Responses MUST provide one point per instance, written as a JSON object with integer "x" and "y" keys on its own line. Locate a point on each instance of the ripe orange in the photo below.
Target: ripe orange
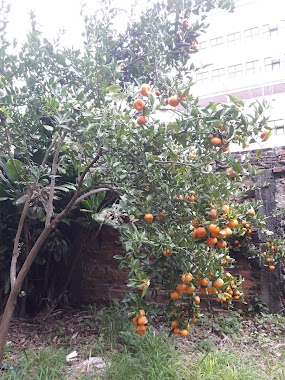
{"x": 167, "y": 252}
{"x": 145, "y": 90}
{"x": 139, "y": 104}
{"x": 229, "y": 232}
{"x": 203, "y": 281}
{"x": 213, "y": 214}
{"x": 135, "y": 321}
{"x": 146, "y": 284}
{"x": 203, "y": 290}
{"x": 222, "y": 233}
{"x": 251, "y": 212}
{"x": 221, "y": 244}
{"x": 197, "y": 300}
{"x": 142, "y": 120}
{"x": 190, "y": 289}
{"x": 271, "y": 267}
{"x": 225, "y": 209}
{"x": 214, "y": 229}
{"x": 142, "y": 320}
{"x": 173, "y": 101}
{"x": 157, "y": 93}
{"x": 141, "y": 329}
{"x": 232, "y": 223}
{"x": 231, "y": 172}
{"x": 187, "y": 277}
{"x": 216, "y": 141}
{"x": 263, "y": 134}
{"x": 142, "y": 312}
{"x": 181, "y": 288}
{"x": 174, "y": 324}
{"x": 211, "y": 241}
{"x": 174, "y": 295}
{"x": 148, "y": 218}
{"x": 212, "y": 290}
{"x": 218, "y": 283}
{"x": 184, "y": 333}
{"x": 176, "y": 331}
{"x": 201, "y": 232}
{"x": 224, "y": 149}
{"x": 195, "y": 223}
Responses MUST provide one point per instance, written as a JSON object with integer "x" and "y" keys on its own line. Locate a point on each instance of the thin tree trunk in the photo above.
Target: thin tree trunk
{"x": 16, "y": 287}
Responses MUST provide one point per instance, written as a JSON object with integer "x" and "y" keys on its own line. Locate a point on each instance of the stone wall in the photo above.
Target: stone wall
{"x": 102, "y": 281}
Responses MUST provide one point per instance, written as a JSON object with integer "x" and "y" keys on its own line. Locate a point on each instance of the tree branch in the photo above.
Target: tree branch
{"x": 15, "y": 255}
{"x": 92, "y": 192}
{"x": 49, "y": 150}
{"x": 52, "y": 180}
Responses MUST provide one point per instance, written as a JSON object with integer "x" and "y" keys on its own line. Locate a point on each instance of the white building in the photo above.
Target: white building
{"x": 246, "y": 50}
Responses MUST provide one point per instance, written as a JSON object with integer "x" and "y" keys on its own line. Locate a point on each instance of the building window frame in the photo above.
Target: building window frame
{"x": 218, "y": 74}
{"x": 202, "y": 78}
{"x": 252, "y": 67}
{"x": 271, "y": 64}
{"x": 235, "y": 71}
{"x": 234, "y": 39}
{"x": 270, "y": 30}
{"x": 252, "y": 33}
{"x": 278, "y": 126}
{"x": 216, "y": 41}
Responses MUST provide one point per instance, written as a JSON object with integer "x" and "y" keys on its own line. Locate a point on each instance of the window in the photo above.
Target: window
{"x": 234, "y": 39}
{"x": 235, "y": 71}
{"x": 277, "y": 126}
{"x": 252, "y": 67}
{"x": 216, "y": 41}
{"x": 270, "y": 30}
{"x": 218, "y": 74}
{"x": 271, "y": 64}
{"x": 202, "y": 45}
{"x": 202, "y": 78}
{"x": 250, "y": 34}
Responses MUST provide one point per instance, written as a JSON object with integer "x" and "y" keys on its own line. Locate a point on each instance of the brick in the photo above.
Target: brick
{"x": 278, "y": 169}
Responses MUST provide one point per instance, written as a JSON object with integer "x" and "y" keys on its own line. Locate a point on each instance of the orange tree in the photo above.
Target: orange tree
{"x": 119, "y": 116}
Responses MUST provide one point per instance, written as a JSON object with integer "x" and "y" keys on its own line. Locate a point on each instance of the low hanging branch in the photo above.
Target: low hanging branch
{"x": 15, "y": 255}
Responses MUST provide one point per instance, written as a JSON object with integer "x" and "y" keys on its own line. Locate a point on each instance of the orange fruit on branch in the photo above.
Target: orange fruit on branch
{"x": 216, "y": 141}
{"x": 142, "y": 120}
{"x": 139, "y": 104}
{"x": 141, "y": 329}
{"x": 218, "y": 283}
{"x": 173, "y": 101}
{"x": 145, "y": 90}
{"x": 148, "y": 218}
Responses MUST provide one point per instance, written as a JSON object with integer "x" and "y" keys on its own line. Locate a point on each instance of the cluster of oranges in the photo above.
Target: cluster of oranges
{"x": 139, "y": 104}
{"x": 270, "y": 257}
{"x": 189, "y": 198}
{"x": 140, "y": 322}
{"x": 219, "y": 141}
{"x": 215, "y": 234}
{"x": 181, "y": 328}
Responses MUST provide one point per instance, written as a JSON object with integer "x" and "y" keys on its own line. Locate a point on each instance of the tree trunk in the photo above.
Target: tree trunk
{"x": 16, "y": 288}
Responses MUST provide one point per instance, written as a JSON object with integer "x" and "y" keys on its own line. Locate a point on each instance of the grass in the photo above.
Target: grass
{"x": 223, "y": 353}
{"x": 45, "y": 364}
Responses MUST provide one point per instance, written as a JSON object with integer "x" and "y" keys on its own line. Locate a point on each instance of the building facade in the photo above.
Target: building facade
{"x": 245, "y": 51}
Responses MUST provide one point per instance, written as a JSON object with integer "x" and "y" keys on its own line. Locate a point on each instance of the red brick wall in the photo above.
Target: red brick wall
{"x": 102, "y": 280}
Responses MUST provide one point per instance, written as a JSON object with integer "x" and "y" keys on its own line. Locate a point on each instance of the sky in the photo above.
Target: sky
{"x": 53, "y": 15}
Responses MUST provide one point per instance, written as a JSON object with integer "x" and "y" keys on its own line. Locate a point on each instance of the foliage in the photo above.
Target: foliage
{"x": 119, "y": 117}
